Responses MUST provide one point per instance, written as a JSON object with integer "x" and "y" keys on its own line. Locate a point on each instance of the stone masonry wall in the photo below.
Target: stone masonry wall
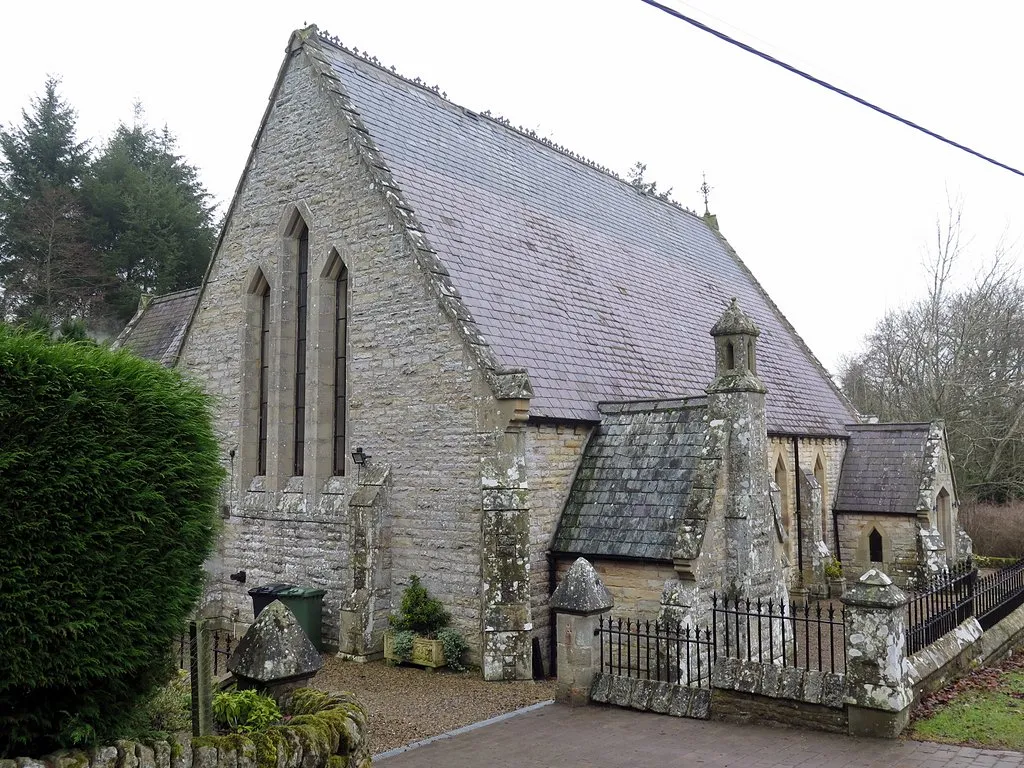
{"x": 636, "y": 587}
{"x": 831, "y": 451}
{"x": 899, "y": 544}
{"x": 414, "y": 392}
{"x": 553, "y": 453}
{"x": 326, "y": 730}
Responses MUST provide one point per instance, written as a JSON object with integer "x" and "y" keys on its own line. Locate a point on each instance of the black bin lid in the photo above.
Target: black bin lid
{"x": 271, "y": 589}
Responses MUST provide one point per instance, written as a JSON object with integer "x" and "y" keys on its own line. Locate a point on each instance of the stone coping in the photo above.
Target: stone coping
{"x": 963, "y": 647}
{"x": 809, "y": 686}
{"x": 651, "y": 696}
{"x": 322, "y": 730}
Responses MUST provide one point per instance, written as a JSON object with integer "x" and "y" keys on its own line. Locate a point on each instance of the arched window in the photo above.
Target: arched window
{"x": 263, "y": 291}
{"x": 301, "y": 311}
{"x": 819, "y": 476}
{"x": 875, "y": 546}
{"x": 944, "y": 513}
{"x": 340, "y": 274}
{"x": 782, "y": 481}
{"x": 730, "y": 356}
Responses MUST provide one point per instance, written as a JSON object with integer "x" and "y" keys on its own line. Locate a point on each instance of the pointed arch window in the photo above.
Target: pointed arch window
{"x": 263, "y": 291}
{"x": 781, "y": 481}
{"x": 339, "y": 273}
{"x": 301, "y": 312}
{"x": 875, "y": 546}
{"x": 820, "y": 477}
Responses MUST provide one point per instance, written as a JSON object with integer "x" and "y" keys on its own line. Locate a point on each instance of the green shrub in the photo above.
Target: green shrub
{"x": 169, "y": 710}
{"x": 420, "y": 613}
{"x": 109, "y": 480}
{"x": 244, "y": 711}
{"x": 454, "y": 645}
{"x": 833, "y": 569}
{"x": 401, "y": 643}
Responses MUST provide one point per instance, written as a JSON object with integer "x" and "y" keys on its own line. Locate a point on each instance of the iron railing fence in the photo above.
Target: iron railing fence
{"x": 222, "y": 641}
{"x": 789, "y": 635}
{"x": 663, "y": 651}
{"x": 941, "y": 603}
{"x": 999, "y": 594}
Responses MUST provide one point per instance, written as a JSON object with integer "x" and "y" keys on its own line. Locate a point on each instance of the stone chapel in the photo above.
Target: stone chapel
{"x": 440, "y": 346}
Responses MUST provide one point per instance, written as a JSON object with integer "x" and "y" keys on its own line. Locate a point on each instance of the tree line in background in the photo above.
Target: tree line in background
{"x": 84, "y": 232}
{"x": 957, "y": 354}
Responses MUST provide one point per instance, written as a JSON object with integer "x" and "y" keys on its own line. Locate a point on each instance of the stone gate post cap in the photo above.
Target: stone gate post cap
{"x": 874, "y": 590}
{"x": 876, "y": 577}
{"x": 275, "y": 648}
{"x": 581, "y": 592}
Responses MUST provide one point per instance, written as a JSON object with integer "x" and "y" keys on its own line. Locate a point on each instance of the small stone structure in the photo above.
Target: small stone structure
{"x": 274, "y": 655}
{"x": 878, "y": 693}
{"x": 578, "y": 602}
{"x": 728, "y": 541}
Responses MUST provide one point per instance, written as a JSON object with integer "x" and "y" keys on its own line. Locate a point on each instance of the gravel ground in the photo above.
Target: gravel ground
{"x": 406, "y": 704}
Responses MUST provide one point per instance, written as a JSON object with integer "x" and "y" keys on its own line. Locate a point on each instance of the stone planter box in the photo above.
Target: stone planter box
{"x": 836, "y": 587}
{"x": 425, "y": 652}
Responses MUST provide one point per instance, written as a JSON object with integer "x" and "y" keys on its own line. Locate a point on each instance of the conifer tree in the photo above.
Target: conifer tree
{"x": 46, "y": 265}
{"x": 149, "y": 216}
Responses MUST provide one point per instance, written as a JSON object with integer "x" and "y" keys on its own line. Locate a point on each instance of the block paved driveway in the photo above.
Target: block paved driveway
{"x": 597, "y": 737}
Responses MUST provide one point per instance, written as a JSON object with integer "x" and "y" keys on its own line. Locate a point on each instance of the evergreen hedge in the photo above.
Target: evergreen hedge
{"x": 109, "y": 482}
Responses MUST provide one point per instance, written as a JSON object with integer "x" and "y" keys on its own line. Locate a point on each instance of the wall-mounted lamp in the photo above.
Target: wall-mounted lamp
{"x": 360, "y": 459}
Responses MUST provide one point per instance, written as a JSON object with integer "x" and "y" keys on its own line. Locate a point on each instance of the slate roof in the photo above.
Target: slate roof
{"x": 634, "y": 479}
{"x": 601, "y": 292}
{"x": 882, "y": 469}
{"x": 158, "y": 328}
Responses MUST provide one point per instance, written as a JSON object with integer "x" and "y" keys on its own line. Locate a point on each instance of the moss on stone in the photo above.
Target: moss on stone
{"x": 267, "y": 745}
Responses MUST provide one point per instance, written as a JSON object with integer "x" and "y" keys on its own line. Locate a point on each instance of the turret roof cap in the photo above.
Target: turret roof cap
{"x": 734, "y": 321}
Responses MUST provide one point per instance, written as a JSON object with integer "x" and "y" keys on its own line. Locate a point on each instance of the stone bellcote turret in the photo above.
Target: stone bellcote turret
{"x": 735, "y": 353}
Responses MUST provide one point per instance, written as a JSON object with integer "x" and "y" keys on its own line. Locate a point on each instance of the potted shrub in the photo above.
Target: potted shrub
{"x": 420, "y": 633}
{"x": 834, "y": 574}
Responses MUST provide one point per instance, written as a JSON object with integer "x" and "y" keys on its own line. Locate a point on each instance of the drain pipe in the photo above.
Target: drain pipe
{"x": 552, "y": 617}
{"x": 799, "y": 510}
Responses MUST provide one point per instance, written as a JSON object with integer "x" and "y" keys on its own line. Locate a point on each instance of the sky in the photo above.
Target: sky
{"x": 833, "y": 207}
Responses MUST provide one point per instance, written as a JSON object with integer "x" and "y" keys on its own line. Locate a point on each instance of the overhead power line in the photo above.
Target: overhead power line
{"x": 835, "y": 89}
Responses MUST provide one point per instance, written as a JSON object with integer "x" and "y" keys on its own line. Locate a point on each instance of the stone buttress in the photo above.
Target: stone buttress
{"x": 728, "y": 543}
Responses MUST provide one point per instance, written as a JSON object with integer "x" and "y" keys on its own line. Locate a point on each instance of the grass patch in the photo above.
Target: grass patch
{"x": 984, "y": 709}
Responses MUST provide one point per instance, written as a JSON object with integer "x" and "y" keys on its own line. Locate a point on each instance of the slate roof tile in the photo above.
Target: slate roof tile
{"x": 601, "y": 292}
{"x": 157, "y": 330}
{"x": 882, "y": 468}
{"x": 631, "y": 488}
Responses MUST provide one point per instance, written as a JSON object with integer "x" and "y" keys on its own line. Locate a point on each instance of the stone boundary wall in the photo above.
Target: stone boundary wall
{"x": 325, "y": 730}
{"x": 956, "y": 652}
{"x": 651, "y": 696}
{"x": 750, "y": 691}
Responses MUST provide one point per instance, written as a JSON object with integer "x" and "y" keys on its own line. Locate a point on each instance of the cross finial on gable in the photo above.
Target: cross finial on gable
{"x": 705, "y": 189}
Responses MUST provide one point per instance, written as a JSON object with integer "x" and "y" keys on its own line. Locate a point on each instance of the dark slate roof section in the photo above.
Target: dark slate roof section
{"x": 882, "y": 469}
{"x": 628, "y": 497}
{"x": 158, "y": 328}
{"x": 602, "y": 293}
